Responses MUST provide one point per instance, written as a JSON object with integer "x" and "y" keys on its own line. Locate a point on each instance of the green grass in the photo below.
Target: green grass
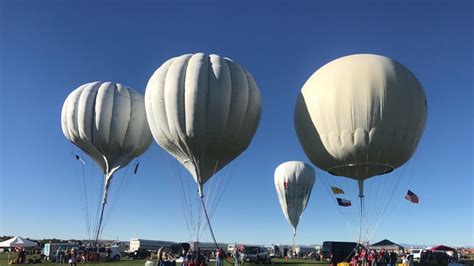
{"x": 124, "y": 262}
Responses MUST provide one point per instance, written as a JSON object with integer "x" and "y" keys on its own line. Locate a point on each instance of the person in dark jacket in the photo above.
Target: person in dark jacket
{"x": 393, "y": 258}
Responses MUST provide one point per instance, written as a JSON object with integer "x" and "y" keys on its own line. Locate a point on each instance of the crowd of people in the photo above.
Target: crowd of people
{"x": 20, "y": 256}
{"x": 72, "y": 256}
{"x": 198, "y": 258}
{"x": 66, "y": 255}
{"x": 365, "y": 257}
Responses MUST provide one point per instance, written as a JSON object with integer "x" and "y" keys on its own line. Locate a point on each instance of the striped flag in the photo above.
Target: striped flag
{"x": 343, "y": 202}
{"x": 337, "y": 190}
{"x": 412, "y": 197}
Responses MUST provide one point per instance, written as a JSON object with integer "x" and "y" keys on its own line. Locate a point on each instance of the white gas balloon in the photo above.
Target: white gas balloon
{"x": 360, "y": 116}
{"x": 203, "y": 110}
{"x": 107, "y": 121}
{"x": 294, "y": 182}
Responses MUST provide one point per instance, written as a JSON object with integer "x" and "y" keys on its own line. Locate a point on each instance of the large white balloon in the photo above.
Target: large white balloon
{"x": 107, "y": 121}
{"x": 294, "y": 182}
{"x": 203, "y": 110}
{"x": 360, "y": 116}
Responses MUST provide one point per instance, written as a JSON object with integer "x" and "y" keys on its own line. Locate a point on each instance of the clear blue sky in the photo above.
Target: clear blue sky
{"x": 48, "y": 48}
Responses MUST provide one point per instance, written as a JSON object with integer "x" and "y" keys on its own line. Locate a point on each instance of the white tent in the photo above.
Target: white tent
{"x": 17, "y": 241}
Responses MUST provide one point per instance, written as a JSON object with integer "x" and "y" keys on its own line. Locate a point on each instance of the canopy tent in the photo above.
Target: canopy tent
{"x": 18, "y": 241}
{"x": 442, "y": 248}
{"x": 387, "y": 245}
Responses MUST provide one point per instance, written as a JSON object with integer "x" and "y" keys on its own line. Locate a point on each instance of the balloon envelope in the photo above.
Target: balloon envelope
{"x": 360, "y": 116}
{"x": 294, "y": 182}
{"x": 107, "y": 121}
{"x": 203, "y": 110}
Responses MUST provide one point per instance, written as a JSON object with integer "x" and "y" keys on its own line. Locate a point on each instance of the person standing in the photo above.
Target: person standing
{"x": 386, "y": 258}
{"x": 355, "y": 259}
{"x": 58, "y": 255}
{"x": 72, "y": 257}
{"x": 393, "y": 258}
{"x": 237, "y": 257}
{"x": 363, "y": 257}
{"x": 219, "y": 257}
{"x": 375, "y": 257}
{"x": 108, "y": 250}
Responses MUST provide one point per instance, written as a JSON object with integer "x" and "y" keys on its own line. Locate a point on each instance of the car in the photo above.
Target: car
{"x": 115, "y": 252}
{"x": 256, "y": 254}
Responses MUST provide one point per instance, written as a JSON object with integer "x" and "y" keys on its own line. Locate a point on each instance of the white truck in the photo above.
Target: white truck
{"x": 416, "y": 253}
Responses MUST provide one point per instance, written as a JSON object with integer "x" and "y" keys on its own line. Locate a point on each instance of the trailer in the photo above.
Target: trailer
{"x": 149, "y": 245}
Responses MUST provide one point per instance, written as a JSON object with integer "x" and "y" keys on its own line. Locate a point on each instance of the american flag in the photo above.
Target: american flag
{"x": 343, "y": 202}
{"x": 412, "y": 197}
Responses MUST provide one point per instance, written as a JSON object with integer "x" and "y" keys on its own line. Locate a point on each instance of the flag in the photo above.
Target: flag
{"x": 80, "y": 159}
{"x": 136, "y": 168}
{"x": 343, "y": 202}
{"x": 412, "y": 197}
{"x": 337, "y": 190}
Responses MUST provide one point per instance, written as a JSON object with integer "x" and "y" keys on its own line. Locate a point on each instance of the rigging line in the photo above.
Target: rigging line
{"x": 227, "y": 179}
{"x": 85, "y": 199}
{"x": 118, "y": 191}
{"x": 84, "y": 208}
{"x": 325, "y": 178}
{"x": 395, "y": 179}
{"x": 96, "y": 219}
{"x": 205, "y": 209}
{"x": 221, "y": 187}
{"x": 185, "y": 198}
{"x": 107, "y": 178}
{"x": 354, "y": 216}
{"x": 208, "y": 223}
{"x": 212, "y": 184}
{"x": 181, "y": 193}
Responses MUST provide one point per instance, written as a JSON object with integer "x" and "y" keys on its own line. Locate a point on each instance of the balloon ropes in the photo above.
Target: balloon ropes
{"x": 294, "y": 182}
{"x": 358, "y": 118}
{"x": 204, "y": 111}
{"x": 107, "y": 122}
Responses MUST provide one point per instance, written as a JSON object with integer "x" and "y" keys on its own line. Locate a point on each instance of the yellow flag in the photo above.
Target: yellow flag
{"x": 337, "y": 190}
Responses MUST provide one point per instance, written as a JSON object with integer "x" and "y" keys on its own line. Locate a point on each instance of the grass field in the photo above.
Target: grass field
{"x": 124, "y": 262}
